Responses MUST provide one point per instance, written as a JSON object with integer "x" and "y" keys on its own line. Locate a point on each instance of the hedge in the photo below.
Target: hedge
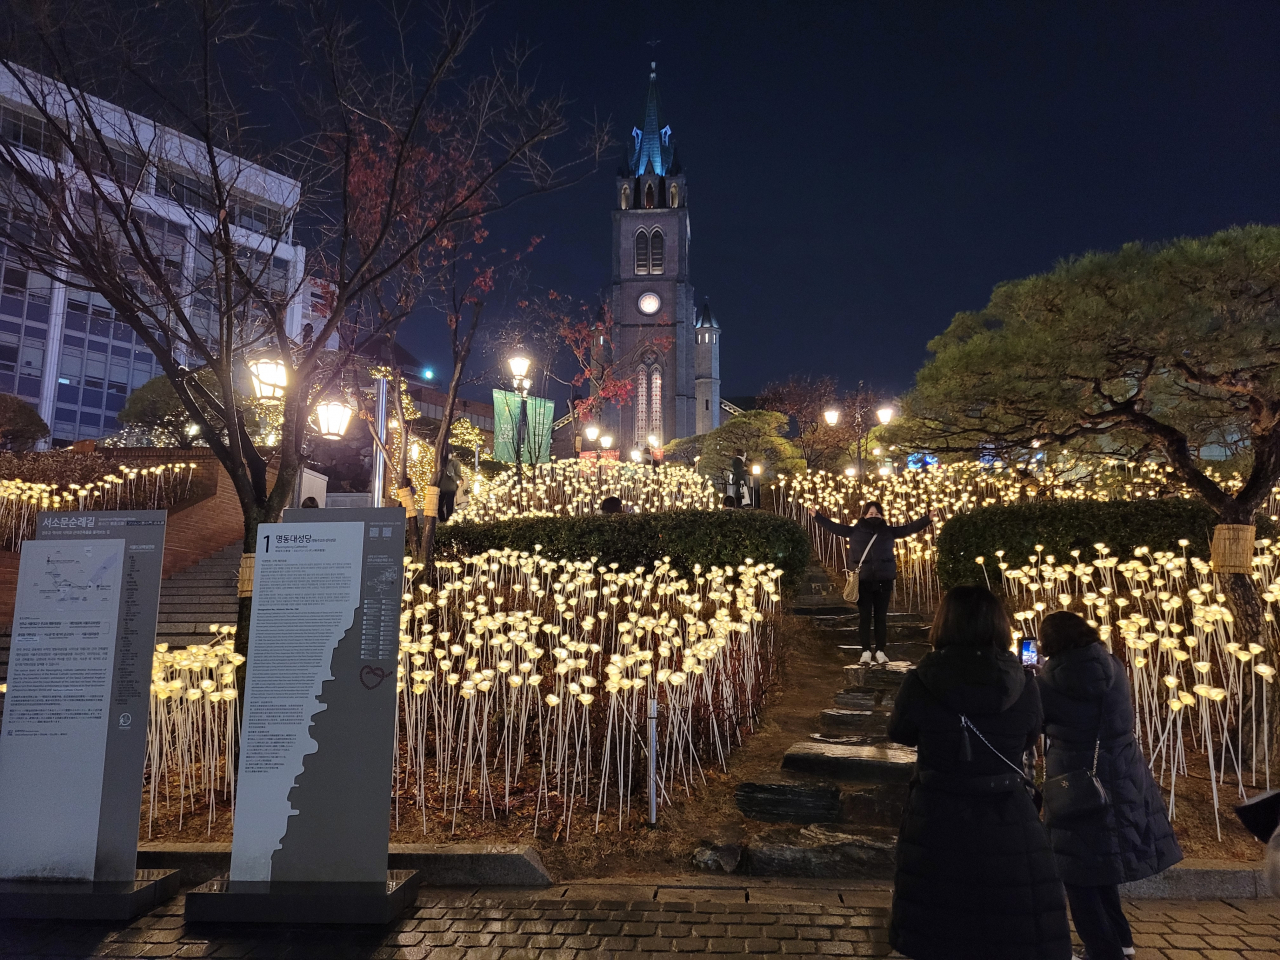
{"x": 712, "y": 538}
{"x": 1061, "y": 526}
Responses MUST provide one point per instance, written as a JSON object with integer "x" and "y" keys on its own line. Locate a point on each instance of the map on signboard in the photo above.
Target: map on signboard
{"x": 79, "y": 575}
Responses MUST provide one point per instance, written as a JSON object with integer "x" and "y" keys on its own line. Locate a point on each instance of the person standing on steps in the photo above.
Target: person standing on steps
{"x": 1088, "y": 718}
{"x": 450, "y": 478}
{"x": 869, "y": 552}
{"x": 974, "y": 877}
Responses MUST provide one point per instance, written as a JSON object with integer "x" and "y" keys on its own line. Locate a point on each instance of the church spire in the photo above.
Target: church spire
{"x": 653, "y": 149}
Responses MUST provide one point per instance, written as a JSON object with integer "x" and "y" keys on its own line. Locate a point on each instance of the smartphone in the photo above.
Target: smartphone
{"x": 1030, "y": 655}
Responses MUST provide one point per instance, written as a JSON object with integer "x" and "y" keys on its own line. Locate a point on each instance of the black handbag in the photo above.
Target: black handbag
{"x": 1076, "y": 793}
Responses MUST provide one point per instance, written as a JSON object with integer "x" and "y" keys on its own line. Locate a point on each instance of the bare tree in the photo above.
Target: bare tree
{"x": 171, "y": 211}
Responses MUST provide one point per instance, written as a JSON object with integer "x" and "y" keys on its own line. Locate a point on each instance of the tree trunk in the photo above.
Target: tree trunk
{"x": 1250, "y": 623}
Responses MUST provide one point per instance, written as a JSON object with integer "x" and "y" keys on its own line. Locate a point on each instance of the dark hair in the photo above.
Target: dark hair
{"x": 972, "y": 616}
{"x": 611, "y": 505}
{"x": 872, "y": 503}
{"x": 1063, "y": 631}
{"x": 310, "y": 502}
{"x": 729, "y": 502}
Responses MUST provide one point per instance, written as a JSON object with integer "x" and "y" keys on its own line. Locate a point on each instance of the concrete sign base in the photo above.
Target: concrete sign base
{"x": 299, "y": 901}
{"x": 87, "y": 899}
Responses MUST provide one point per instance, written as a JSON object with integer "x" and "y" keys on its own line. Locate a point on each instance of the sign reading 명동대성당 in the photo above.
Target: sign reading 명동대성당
{"x": 319, "y": 724}
{"x": 73, "y": 739}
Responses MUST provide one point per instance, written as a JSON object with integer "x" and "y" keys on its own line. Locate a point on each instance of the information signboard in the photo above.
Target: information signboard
{"x": 74, "y": 735}
{"x": 317, "y": 744}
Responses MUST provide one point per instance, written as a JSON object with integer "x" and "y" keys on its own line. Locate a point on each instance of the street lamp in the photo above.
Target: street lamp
{"x": 592, "y": 433}
{"x": 268, "y": 377}
{"x": 885, "y": 414}
{"x": 332, "y": 417}
{"x": 832, "y": 417}
{"x": 850, "y": 471}
{"x": 635, "y": 455}
{"x": 606, "y": 441}
{"x": 519, "y": 365}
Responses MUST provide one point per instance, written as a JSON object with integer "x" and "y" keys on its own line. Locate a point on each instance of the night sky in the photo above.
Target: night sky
{"x": 859, "y": 172}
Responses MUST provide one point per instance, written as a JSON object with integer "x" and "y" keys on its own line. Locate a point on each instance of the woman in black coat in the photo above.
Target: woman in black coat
{"x": 877, "y": 572}
{"x": 1085, "y": 691}
{"x": 975, "y": 877}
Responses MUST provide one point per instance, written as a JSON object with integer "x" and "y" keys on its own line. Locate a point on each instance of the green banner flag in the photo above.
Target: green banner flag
{"x": 535, "y": 444}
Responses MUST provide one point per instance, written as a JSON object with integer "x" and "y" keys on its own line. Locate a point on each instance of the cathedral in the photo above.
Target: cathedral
{"x": 662, "y": 340}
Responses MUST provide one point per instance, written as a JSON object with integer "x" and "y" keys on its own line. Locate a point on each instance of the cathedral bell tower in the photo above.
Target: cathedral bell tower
{"x": 651, "y": 297}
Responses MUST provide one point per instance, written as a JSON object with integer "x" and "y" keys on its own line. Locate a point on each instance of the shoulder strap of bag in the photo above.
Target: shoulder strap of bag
{"x": 966, "y": 722}
{"x": 1097, "y": 743}
{"x": 866, "y": 551}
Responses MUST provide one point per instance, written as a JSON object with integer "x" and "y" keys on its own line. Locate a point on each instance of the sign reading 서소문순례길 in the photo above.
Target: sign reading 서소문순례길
{"x": 73, "y": 739}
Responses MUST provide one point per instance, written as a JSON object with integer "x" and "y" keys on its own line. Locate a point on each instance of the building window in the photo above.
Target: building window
{"x": 31, "y": 133}
{"x": 675, "y": 195}
{"x": 656, "y": 252}
{"x": 708, "y": 403}
{"x": 648, "y": 196}
{"x": 655, "y": 404}
{"x": 626, "y": 196}
{"x": 642, "y": 253}
{"x": 642, "y": 403}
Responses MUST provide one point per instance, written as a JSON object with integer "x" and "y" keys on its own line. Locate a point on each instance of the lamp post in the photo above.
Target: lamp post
{"x": 519, "y": 365}
{"x": 269, "y": 378}
{"x": 832, "y": 417}
{"x": 885, "y": 414}
{"x": 332, "y": 417}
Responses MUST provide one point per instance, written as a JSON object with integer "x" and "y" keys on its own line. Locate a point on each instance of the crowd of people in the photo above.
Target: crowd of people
{"x": 979, "y": 874}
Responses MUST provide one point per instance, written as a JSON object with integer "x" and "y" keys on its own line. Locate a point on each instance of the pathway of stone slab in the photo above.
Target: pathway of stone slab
{"x": 611, "y": 919}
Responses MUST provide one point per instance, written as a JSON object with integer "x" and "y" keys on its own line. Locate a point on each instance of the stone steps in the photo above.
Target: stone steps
{"x": 821, "y": 850}
{"x": 871, "y": 721}
{"x": 851, "y": 763}
{"x": 199, "y": 596}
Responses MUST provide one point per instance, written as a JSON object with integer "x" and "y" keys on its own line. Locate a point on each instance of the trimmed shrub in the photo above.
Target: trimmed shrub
{"x": 1061, "y": 526}
{"x": 712, "y": 538}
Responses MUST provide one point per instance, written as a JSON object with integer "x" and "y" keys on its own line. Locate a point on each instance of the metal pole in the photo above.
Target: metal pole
{"x": 378, "y": 481}
{"x": 653, "y": 761}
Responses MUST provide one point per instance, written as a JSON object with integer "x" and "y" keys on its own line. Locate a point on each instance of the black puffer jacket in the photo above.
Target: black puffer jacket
{"x": 975, "y": 876}
{"x": 880, "y": 563}
{"x": 1132, "y": 838}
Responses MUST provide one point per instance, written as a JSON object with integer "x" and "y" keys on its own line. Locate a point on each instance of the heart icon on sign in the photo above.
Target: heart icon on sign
{"x": 371, "y": 677}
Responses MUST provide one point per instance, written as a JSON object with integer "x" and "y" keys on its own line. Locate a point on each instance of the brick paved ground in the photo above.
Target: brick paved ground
{"x": 612, "y": 920}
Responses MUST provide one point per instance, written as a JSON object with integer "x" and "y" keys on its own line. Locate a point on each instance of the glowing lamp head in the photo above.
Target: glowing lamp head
{"x": 885, "y": 471}
{"x": 635, "y": 455}
{"x": 850, "y": 471}
{"x": 519, "y": 365}
{"x": 653, "y": 440}
{"x": 606, "y": 441}
{"x": 332, "y": 417}
{"x": 755, "y": 469}
{"x": 268, "y": 377}
{"x": 592, "y": 432}
{"x": 832, "y": 417}
{"x": 885, "y": 414}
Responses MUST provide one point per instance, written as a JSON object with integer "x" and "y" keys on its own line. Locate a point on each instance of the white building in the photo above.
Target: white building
{"x": 62, "y": 349}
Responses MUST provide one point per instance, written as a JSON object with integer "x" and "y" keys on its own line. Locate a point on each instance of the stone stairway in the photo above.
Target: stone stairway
{"x": 839, "y": 795}
{"x": 197, "y": 597}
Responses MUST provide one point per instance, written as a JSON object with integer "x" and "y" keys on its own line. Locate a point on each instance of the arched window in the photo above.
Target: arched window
{"x": 642, "y": 253}
{"x": 656, "y": 246}
{"x": 655, "y": 403}
{"x": 642, "y": 403}
{"x": 648, "y": 196}
{"x": 675, "y": 195}
{"x": 626, "y": 196}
